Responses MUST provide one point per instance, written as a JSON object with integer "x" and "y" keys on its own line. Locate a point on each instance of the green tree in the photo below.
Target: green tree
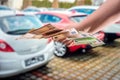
{"x": 44, "y": 3}
{"x": 47, "y": 3}
{"x": 88, "y": 2}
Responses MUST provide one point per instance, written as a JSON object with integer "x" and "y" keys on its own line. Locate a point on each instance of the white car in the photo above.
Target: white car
{"x": 21, "y": 55}
{"x": 84, "y": 9}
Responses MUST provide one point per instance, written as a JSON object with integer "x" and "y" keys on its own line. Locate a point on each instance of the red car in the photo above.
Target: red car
{"x": 78, "y": 44}
{"x": 60, "y": 19}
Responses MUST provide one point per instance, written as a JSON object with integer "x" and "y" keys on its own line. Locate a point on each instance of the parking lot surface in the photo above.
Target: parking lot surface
{"x": 101, "y": 63}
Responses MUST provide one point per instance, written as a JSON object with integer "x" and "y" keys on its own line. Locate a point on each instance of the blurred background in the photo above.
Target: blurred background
{"x": 21, "y": 4}
{"x": 100, "y": 63}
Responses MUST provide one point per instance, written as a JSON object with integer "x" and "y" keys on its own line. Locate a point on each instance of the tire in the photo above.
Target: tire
{"x": 109, "y": 38}
{"x": 60, "y": 49}
{"x": 83, "y": 51}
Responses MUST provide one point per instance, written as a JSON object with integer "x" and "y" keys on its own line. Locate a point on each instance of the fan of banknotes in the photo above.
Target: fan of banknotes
{"x": 78, "y": 37}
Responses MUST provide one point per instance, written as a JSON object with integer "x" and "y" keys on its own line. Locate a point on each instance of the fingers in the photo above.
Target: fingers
{"x": 67, "y": 41}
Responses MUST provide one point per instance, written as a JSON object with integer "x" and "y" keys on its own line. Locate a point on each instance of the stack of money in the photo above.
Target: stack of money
{"x": 50, "y": 31}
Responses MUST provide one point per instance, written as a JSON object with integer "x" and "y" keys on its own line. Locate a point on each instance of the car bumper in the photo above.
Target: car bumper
{"x": 12, "y": 66}
{"x": 76, "y": 47}
{"x": 112, "y": 35}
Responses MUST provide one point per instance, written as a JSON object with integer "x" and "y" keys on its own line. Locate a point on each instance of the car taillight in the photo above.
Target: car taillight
{"x": 5, "y": 47}
{"x": 118, "y": 34}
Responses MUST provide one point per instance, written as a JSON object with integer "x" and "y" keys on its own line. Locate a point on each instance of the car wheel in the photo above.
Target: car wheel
{"x": 105, "y": 39}
{"x": 83, "y": 50}
{"x": 60, "y": 49}
{"x": 108, "y": 40}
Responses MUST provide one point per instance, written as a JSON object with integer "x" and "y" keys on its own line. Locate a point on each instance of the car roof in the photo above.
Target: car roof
{"x": 62, "y": 13}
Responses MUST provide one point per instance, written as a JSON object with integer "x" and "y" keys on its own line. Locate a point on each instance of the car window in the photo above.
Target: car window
{"x": 84, "y": 10}
{"x": 77, "y": 18}
{"x": 21, "y": 22}
{"x": 46, "y": 18}
{"x": 4, "y": 8}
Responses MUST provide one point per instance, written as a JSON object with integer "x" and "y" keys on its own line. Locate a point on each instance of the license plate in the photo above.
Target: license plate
{"x": 34, "y": 60}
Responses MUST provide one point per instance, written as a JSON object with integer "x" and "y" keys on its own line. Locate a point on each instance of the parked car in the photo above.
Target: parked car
{"x": 112, "y": 32}
{"x": 83, "y": 9}
{"x": 60, "y": 19}
{"x": 79, "y": 44}
{"x": 18, "y": 55}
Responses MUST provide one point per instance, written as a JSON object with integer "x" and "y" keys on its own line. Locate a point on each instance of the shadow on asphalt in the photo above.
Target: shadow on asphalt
{"x": 115, "y": 43}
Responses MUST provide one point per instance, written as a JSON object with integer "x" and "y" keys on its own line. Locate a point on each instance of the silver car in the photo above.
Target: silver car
{"x": 21, "y": 55}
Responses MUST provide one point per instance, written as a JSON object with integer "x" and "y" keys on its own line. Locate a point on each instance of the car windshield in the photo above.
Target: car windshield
{"x": 15, "y": 23}
{"x": 47, "y": 18}
{"x": 77, "y": 18}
